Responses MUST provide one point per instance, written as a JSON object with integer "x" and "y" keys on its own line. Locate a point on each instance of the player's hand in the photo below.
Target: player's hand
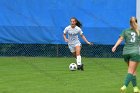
{"x": 113, "y": 49}
{"x": 66, "y": 40}
{"x": 89, "y": 43}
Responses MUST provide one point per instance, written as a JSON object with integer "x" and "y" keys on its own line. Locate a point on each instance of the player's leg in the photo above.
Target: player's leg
{"x": 134, "y": 83}
{"x": 78, "y": 55}
{"x": 135, "y": 58}
{"x": 134, "y": 80}
{"x": 74, "y": 54}
{"x": 126, "y": 59}
{"x": 72, "y": 50}
{"x": 131, "y": 70}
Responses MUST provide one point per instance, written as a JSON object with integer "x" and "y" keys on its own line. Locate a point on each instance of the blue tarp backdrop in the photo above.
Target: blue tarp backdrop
{"x": 43, "y": 21}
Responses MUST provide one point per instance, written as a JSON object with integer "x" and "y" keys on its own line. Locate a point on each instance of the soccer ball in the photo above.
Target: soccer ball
{"x": 73, "y": 67}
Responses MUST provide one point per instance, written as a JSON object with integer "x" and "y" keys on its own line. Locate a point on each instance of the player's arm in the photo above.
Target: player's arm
{"x": 65, "y": 38}
{"x": 117, "y": 43}
{"x": 64, "y": 35}
{"x": 84, "y": 38}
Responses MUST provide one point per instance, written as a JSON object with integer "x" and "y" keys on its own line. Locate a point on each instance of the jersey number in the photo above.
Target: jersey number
{"x": 133, "y": 37}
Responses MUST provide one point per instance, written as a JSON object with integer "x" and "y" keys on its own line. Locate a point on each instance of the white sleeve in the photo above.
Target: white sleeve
{"x": 80, "y": 31}
{"x": 65, "y": 30}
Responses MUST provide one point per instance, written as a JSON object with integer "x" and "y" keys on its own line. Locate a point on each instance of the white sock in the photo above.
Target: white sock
{"x": 79, "y": 60}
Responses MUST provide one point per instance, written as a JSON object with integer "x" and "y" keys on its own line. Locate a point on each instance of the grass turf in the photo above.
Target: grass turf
{"x": 51, "y": 75}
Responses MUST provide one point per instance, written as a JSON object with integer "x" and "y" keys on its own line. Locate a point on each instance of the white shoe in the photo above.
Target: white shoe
{"x": 123, "y": 89}
{"x": 136, "y": 90}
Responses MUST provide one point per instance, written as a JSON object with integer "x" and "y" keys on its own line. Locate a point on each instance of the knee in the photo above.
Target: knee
{"x": 131, "y": 71}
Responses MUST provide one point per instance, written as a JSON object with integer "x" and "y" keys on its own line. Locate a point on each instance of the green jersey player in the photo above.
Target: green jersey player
{"x": 73, "y": 30}
{"x": 131, "y": 53}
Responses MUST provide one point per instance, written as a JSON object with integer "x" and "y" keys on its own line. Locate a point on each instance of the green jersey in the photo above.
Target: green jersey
{"x": 132, "y": 42}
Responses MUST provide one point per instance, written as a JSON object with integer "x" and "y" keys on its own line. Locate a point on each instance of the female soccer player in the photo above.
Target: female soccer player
{"x": 131, "y": 53}
{"x": 73, "y": 41}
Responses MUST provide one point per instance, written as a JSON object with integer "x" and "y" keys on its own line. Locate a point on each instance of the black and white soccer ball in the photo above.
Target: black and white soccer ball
{"x": 72, "y": 67}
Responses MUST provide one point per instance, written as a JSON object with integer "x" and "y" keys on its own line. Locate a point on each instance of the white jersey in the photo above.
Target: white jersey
{"x": 73, "y": 34}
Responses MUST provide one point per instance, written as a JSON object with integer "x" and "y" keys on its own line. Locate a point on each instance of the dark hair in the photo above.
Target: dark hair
{"x": 78, "y": 23}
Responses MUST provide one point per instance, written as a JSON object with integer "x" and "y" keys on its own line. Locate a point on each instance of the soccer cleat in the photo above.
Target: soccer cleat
{"x": 123, "y": 89}
{"x": 80, "y": 67}
{"x": 136, "y": 90}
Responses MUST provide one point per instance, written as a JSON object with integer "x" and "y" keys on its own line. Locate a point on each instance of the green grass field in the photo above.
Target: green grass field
{"x": 51, "y": 75}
